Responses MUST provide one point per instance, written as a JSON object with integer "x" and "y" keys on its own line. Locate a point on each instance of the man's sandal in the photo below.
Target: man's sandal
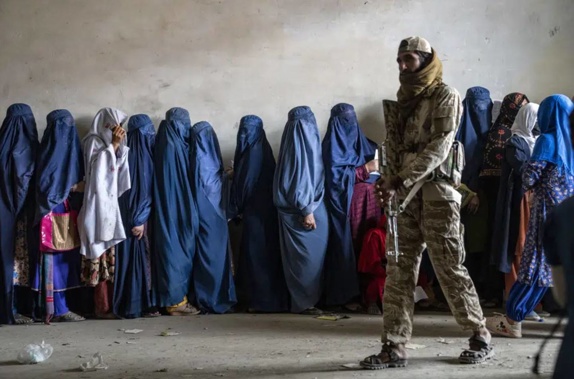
{"x": 387, "y": 358}
{"x": 478, "y": 352}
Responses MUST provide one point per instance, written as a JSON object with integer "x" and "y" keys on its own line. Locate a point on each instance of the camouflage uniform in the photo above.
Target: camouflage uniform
{"x": 432, "y": 218}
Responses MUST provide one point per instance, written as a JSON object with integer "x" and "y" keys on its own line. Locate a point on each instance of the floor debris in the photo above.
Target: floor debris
{"x": 132, "y": 331}
{"x": 414, "y": 346}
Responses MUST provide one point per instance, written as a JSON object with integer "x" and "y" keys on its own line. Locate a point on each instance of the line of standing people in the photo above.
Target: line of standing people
{"x": 518, "y": 169}
{"x": 145, "y": 216}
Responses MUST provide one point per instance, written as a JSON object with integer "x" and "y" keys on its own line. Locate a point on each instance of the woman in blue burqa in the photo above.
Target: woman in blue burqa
{"x": 175, "y": 222}
{"x": 18, "y": 146}
{"x": 473, "y": 130}
{"x": 132, "y": 290}
{"x": 345, "y": 148}
{"x": 298, "y": 190}
{"x": 59, "y": 183}
{"x": 260, "y": 269}
{"x": 213, "y": 279}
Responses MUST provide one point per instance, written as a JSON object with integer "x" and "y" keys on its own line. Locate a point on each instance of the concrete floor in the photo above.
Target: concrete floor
{"x": 260, "y": 346}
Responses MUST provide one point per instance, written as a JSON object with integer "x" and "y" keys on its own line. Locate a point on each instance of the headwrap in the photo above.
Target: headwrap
{"x": 414, "y": 85}
{"x": 60, "y": 162}
{"x": 525, "y": 122}
{"x": 500, "y": 133}
{"x": 555, "y": 143}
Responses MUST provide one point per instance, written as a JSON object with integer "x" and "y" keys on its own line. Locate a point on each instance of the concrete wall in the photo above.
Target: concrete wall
{"x": 224, "y": 59}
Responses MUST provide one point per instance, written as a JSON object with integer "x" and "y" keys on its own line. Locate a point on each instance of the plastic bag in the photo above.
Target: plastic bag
{"x": 35, "y": 353}
{"x": 94, "y": 364}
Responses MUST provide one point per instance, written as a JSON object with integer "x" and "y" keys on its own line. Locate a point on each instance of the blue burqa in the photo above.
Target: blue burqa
{"x": 298, "y": 190}
{"x": 554, "y": 144}
{"x": 260, "y": 268}
{"x": 60, "y": 165}
{"x": 213, "y": 279}
{"x": 345, "y": 148}
{"x": 18, "y": 146}
{"x": 474, "y": 125}
{"x": 175, "y": 221}
{"x": 132, "y": 286}
{"x": 60, "y": 162}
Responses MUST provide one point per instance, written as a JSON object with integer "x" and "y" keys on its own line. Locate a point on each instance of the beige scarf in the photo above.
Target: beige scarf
{"x": 414, "y": 85}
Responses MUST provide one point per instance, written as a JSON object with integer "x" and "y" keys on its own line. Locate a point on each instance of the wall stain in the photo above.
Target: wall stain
{"x": 554, "y": 31}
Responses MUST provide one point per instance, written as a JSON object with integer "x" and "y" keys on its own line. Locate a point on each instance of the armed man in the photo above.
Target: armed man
{"x": 422, "y": 153}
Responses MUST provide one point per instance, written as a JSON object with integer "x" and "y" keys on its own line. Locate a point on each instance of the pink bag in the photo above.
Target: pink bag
{"x": 59, "y": 231}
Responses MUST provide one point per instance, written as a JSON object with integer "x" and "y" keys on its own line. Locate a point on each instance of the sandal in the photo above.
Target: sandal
{"x": 151, "y": 314}
{"x": 69, "y": 317}
{"x": 373, "y": 309}
{"x": 22, "y": 320}
{"x": 544, "y": 314}
{"x": 387, "y": 358}
{"x": 353, "y": 308}
{"x": 312, "y": 312}
{"x": 533, "y": 316}
{"x": 184, "y": 310}
{"x": 478, "y": 352}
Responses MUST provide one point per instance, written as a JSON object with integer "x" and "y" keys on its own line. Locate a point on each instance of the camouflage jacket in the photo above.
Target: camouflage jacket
{"x": 423, "y": 143}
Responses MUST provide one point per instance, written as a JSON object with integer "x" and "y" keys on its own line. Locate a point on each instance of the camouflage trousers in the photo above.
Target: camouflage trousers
{"x": 436, "y": 225}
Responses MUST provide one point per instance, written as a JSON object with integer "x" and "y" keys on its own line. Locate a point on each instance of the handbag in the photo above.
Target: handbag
{"x": 59, "y": 231}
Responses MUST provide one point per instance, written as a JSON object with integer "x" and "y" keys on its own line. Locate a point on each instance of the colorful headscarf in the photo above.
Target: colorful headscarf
{"x": 500, "y": 133}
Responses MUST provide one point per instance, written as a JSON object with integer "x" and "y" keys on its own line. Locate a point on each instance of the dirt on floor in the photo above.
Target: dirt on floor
{"x": 262, "y": 346}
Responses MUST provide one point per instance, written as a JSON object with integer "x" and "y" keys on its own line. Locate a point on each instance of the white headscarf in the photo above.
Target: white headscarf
{"x": 525, "y": 121}
{"x": 105, "y": 119}
{"x": 107, "y": 178}
{"x": 101, "y": 129}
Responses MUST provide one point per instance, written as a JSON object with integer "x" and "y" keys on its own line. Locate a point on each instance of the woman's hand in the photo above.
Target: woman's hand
{"x": 78, "y": 187}
{"x": 473, "y": 205}
{"x": 138, "y": 231}
{"x": 309, "y": 222}
{"x": 118, "y": 135}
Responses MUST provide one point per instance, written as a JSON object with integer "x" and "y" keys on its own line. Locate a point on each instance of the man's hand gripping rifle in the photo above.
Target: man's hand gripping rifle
{"x": 392, "y": 208}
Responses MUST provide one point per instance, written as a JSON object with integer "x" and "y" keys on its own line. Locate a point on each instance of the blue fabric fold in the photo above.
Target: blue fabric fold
{"x": 175, "y": 219}
{"x": 18, "y": 148}
{"x": 60, "y": 163}
{"x": 213, "y": 279}
{"x": 132, "y": 285}
{"x": 345, "y": 148}
{"x": 260, "y": 271}
{"x": 298, "y": 190}
{"x": 474, "y": 125}
{"x": 554, "y": 143}
{"x": 299, "y": 182}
